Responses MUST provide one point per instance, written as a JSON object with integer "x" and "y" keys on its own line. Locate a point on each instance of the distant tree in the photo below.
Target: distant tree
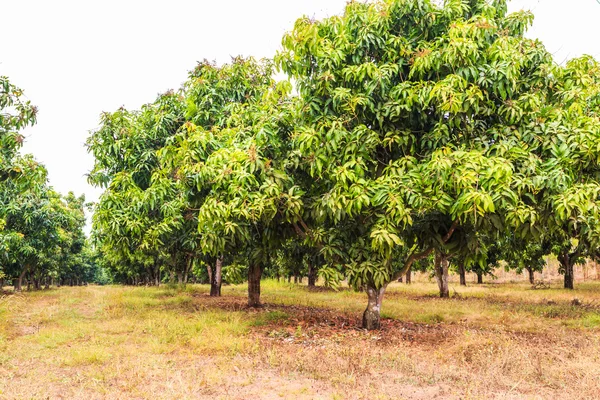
{"x": 525, "y": 255}
{"x": 41, "y": 232}
{"x": 139, "y": 222}
{"x": 230, "y": 160}
{"x": 297, "y": 259}
{"x": 16, "y": 113}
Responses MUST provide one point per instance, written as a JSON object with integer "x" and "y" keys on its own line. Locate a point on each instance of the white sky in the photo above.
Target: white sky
{"x": 77, "y": 58}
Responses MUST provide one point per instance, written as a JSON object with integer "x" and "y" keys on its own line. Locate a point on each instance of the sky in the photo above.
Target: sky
{"x": 76, "y": 59}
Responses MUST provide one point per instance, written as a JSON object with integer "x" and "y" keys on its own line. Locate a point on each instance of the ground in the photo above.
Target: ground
{"x": 499, "y": 340}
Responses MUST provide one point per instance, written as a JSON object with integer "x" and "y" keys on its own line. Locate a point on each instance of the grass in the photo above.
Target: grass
{"x": 488, "y": 341}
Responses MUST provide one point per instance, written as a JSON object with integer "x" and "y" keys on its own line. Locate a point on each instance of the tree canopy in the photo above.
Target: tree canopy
{"x": 422, "y": 121}
{"x": 410, "y": 131}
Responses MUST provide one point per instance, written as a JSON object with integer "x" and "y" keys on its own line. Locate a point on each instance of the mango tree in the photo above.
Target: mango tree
{"x": 569, "y": 134}
{"x": 139, "y": 220}
{"x": 412, "y": 124}
{"x": 16, "y": 113}
{"x": 231, "y": 160}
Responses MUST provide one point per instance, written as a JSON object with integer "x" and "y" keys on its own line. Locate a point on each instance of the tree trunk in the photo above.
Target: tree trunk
{"x": 409, "y": 276}
{"x": 312, "y": 275}
{"x": 441, "y": 274}
{"x": 19, "y": 287}
{"x": 209, "y": 272}
{"x": 569, "y": 273}
{"x": 47, "y": 284}
{"x": 479, "y": 277}
{"x": 254, "y": 274}
{"x": 531, "y": 275}
{"x": 463, "y": 273}
{"x": 179, "y": 278}
{"x": 216, "y": 278}
{"x": 188, "y": 268}
{"x": 156, "y": 273}
{"x": 372, "y": 315}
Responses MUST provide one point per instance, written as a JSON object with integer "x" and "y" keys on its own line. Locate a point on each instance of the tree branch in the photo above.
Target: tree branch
{"x": 304, "y": 226}
{"x": 299, "y": 231}
{"x": 425, "y": 253}
{"x": 303, "y": 233}
{"x": 450, "y": 231}
{"x": 410, "y": 261}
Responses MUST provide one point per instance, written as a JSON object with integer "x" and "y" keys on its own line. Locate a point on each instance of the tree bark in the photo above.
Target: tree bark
{"x": 312, "y": 275}
{"x": 441, "y": 274}
{"x": 254, "y": 274}
{"x": 569, "y": 273}
{"x": 19, "y": 287}
{"x": 216, "y": 278}
{"x": 479, "y": 277}
{"x": 531, "y": 275}
{"x": 408, "y": 276}
{"x": 372, "y": 315}
{"x": 463, "y": 273}
{"x": 156, "y": 273}
{"x": 209, "y": 272}
{"x": 188, "y": 268}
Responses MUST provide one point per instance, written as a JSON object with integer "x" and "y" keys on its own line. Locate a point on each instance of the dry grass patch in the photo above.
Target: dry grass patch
{"x": 490, "y": 341}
